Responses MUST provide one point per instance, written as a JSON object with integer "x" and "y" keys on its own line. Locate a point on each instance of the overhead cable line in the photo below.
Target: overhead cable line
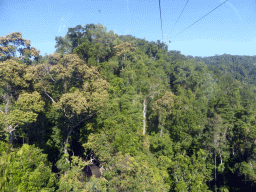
{"x": 161, "y": 20}
{"x": 179, "y": 17}
{"x": 202, "y": 17}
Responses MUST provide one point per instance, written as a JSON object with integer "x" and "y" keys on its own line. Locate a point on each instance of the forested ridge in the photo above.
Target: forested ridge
{"x": 108, "y": 112}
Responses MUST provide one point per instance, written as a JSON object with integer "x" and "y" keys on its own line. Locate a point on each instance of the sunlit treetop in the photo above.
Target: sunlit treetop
{"x": 14, "y": 42}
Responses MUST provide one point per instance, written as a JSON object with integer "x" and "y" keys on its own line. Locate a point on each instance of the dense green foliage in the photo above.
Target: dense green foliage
{"x": 150, "y": 119}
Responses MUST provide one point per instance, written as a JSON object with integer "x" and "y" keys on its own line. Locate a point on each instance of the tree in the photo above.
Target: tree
{"x": 163, "y": 106}
{"x": 83, "y": 50}
{"x": 63, "y": 45}
{"x": 190, "y": 173}
{"x": 217, "y": 141}
{"x": 25, "y": 169}
{"x": 92, "y": 43}
{"x": 73, "y": 178}
{"x": 149, "y": 80}
{"x": 74, "y": 37}
{"x": 14, "y": 42}
{"x": 123, "y": 50}
{"x": 19, "y": 108}
{"x": 78, "y": 93}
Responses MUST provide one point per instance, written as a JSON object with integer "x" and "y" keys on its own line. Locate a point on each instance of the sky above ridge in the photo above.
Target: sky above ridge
{"x": 230, "y": 29}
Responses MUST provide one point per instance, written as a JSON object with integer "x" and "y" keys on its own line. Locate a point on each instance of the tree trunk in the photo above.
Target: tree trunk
{"x": 49, "y": 96}
{"x": 11, "y": 138}
{"x": 215, "y": 173}
{"x": 123, "y": 63}
{"x": 69, "y": 133}
{"x": 7, "y": 103}
{"x": 144, "y": 116}
{"x": 161, "y": 130}
{"x": 160, "y": 124}
{"x": 7, "y": 99}
{"x": 66, "y": 143}
{"x": 222, "y": 172}
{"x": 11, "y": 130}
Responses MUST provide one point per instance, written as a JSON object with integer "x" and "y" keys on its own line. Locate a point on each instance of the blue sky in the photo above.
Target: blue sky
{"x": 230, "y": 29}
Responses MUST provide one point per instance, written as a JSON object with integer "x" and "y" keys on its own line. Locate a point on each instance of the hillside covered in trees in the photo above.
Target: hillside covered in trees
{"x": 117, "y": 113}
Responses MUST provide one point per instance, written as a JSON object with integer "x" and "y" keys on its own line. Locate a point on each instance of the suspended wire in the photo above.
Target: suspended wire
{"x": 179, "y": 17}
{"x": 161, "y": 20}
{"x": 202, "y": 17}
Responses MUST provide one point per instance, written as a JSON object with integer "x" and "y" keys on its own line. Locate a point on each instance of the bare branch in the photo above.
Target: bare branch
{"x": 49, "y": 96}
{"x": 88, "y": 117}
{"x": 11, "y": 129}
{"x": 51, "y": 77}
{"x": 48, "y": 72}
{"x": 69, "y": 133}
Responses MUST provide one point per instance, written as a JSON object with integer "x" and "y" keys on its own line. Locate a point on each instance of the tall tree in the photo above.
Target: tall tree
{"x": 14, "y": 42}
{"x": 77, "y": 93}
{"x": 25, "y": 169}
{"x": 19, "y": 108}
{"x": 163, "y": 107}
